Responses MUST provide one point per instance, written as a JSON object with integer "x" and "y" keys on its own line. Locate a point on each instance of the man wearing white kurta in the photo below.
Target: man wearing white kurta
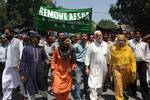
{"x": 142, "y": 55}
{"x": 10, "y": 77}
{"x": 96, "y": 64}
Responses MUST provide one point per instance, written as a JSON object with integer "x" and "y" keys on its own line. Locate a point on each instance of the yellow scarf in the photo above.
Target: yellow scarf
{"x": 123, "y": 56}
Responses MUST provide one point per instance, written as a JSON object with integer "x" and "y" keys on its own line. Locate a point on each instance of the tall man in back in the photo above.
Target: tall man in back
{"x": 141, "y": 51}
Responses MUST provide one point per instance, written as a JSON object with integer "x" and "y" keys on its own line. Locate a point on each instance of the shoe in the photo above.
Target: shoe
{"x": 126, "y": 96}
{"x": 133, "y": 95}
{"x": 44, "y": 99}
{"x": 146, "y": 97}
{"x": 149, "y": 82}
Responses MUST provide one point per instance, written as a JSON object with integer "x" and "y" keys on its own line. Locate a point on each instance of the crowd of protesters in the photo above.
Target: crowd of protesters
{"x": 95, "y": 60}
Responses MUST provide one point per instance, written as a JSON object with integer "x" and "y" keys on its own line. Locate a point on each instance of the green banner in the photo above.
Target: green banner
{"x": 63, "y": 20}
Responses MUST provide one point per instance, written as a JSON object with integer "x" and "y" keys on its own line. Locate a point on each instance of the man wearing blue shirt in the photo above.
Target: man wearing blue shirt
{"x": 80, "y": 75}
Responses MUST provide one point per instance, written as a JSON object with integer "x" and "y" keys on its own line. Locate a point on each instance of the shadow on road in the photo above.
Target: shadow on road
{"x": 108, "y": 97}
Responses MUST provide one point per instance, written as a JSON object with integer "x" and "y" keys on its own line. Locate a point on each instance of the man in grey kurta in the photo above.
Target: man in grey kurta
{"x": 32, "y": 68}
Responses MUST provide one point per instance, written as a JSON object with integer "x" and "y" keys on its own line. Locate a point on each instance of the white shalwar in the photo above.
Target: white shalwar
{"x": 148, "y": 74}
{"x": 10, "y": 77}
{"x": 96, "y": 58}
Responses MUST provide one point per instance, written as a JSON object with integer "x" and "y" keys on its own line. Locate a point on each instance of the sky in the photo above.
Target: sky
{"x": 100, "y": 7}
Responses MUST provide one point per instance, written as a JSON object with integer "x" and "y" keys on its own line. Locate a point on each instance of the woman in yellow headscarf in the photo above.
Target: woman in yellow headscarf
{"x": 123, "y": 66}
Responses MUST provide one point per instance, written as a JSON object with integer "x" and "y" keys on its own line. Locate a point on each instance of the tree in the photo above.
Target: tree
{"x": 93, "y": 26}
{"x": 2, "y": 13}
{"x": 107, "y": 24}
{"x": 132, "y": 12}
{"x": 21, "y": 12}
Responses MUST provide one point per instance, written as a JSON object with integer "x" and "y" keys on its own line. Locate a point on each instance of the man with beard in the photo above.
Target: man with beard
{"x": 32, "y": 68}
{"x": 11, "y": 77}
{"x": 96, "y": 64}
{"x": 63, "y": 63}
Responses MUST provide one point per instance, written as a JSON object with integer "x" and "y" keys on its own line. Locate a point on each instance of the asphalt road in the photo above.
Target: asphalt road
{"x": 108, "y": 95}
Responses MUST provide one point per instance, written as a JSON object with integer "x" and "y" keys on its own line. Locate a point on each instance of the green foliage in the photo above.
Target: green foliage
{"x": 2, "y": 11}
{"x": 132, "y": 12}
{"x": 20, "y": 12}
{"x": 93, "y": 26}
{"x": 48, "y": 2}
{"x": 107, "y": 24}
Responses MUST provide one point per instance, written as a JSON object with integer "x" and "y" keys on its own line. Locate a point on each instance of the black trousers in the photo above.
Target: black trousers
{"x": 2, "y": 65}
{"x": 141, "y": 72}
{"x": 86, "y": 86}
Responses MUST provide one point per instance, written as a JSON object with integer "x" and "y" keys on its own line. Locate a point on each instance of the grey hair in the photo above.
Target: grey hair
{"x": 97, "y": 32}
